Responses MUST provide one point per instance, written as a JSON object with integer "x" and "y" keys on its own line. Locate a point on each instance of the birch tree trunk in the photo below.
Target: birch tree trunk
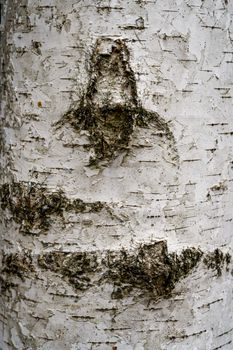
{"x": 116, "y": 177}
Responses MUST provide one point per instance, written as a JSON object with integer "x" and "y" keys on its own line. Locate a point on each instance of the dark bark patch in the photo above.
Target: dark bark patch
{"x": 217, "y": 260}
{"x": 146, "y": 271}
{"x": 17, "y": 264}
{"x": 76, "y": 267}
{"x": 110, "y": 109}
{"x": 33, "y": 206}
{"x": 151, "y": 269}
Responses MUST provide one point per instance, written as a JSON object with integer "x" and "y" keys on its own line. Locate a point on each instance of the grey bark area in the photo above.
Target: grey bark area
{"x": 116, "y": 175}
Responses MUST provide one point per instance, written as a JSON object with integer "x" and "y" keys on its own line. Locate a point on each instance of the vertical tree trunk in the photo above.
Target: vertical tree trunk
{"x": 116, "y": 178}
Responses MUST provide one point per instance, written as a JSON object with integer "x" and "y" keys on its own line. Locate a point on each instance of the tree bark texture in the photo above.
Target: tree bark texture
{"x": 116, "y": 175}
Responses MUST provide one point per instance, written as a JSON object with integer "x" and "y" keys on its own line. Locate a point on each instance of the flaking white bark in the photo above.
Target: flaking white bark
{"x": 172, "y": 182}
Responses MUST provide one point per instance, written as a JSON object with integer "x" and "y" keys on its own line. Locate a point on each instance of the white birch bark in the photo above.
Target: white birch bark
{"x": 132, "y": 251}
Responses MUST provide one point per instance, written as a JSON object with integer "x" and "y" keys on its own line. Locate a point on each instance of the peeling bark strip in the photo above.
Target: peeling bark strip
{"x": 32, "y": 206}
{"x": 109, "y": 110}
{"x": 150, "y": 269}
